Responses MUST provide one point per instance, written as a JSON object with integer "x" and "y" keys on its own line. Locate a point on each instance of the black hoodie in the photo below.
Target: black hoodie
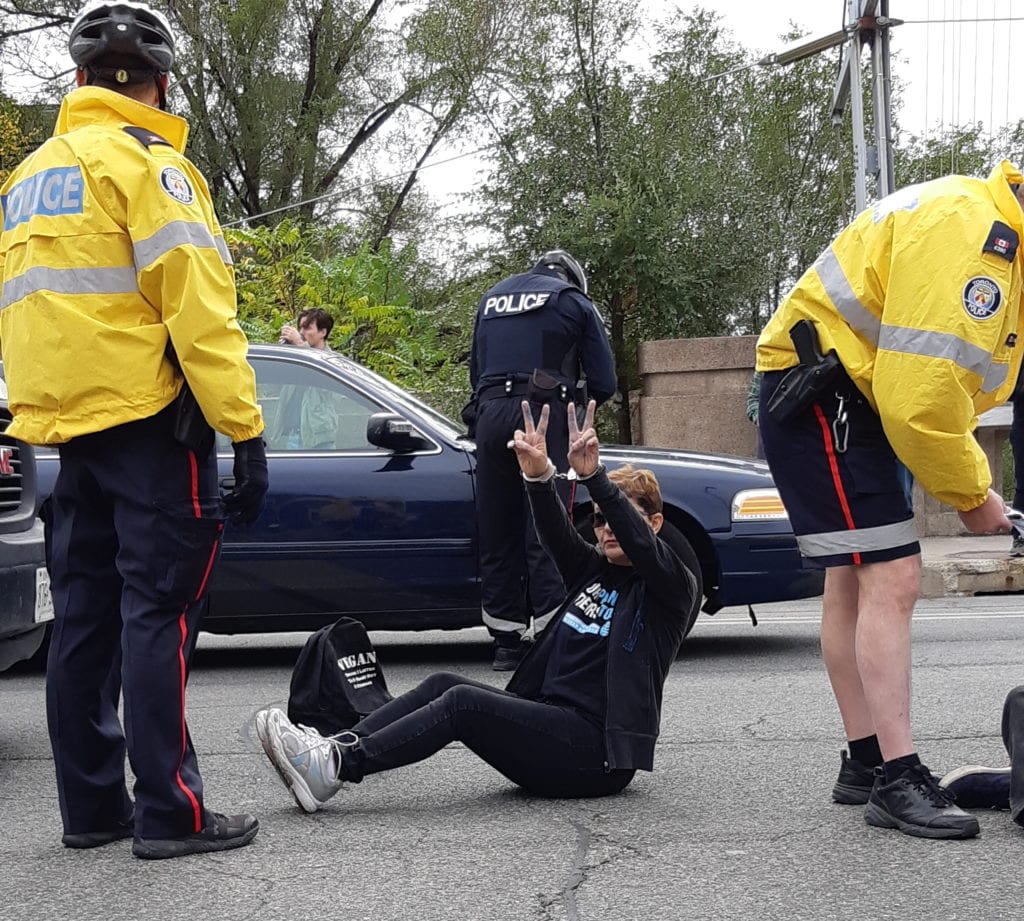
{"x": 648, "y": 626}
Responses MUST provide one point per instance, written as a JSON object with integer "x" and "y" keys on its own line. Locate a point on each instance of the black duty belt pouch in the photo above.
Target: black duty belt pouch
{"x": 469, "y": 415}
{"x": 336, "y": 680}
{"x": 545, "y": 388}
{"x": 802, "y": 385}
{"x": 190, "y": 425}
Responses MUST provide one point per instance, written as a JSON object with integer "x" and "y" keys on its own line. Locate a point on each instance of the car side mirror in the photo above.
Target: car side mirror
{"x": 391, "y": 431}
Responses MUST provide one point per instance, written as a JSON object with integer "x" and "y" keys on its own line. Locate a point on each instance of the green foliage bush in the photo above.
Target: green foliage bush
{"x": 292, "y": 266}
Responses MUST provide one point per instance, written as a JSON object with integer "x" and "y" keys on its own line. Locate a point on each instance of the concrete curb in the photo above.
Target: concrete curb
{"x": 969, "y": 565}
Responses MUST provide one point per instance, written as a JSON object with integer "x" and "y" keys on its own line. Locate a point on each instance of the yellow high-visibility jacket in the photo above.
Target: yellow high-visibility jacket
{"x": 110, "y": 250}
{"x": 921, "y": 299}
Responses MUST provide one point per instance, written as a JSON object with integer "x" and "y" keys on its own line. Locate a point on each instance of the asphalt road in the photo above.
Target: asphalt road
{"x": 735, "y": 823}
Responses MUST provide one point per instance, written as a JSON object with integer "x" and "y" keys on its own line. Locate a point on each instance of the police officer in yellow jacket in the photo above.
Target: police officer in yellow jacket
{"x": 118, "y": 305}
{"x": 916, "y": 309}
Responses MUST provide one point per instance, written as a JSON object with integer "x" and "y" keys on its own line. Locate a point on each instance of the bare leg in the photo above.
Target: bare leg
{"x": 888, "y": 592}
{"x": 865, "y": 642}
{"x": 839, "y": 649}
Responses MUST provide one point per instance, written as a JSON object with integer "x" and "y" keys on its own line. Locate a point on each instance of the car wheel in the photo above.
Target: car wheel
{"x": 684, "y": 550}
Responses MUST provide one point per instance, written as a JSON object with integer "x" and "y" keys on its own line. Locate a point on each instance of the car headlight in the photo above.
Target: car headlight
{"x": 758, "y": 505}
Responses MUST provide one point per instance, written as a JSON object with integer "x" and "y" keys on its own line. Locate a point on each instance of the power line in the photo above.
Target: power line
{"x": 925, "y": 22}
{"x": 356, "y": 188}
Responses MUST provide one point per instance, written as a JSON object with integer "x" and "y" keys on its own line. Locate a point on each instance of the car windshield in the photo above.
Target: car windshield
{"x": 447, "y": 427}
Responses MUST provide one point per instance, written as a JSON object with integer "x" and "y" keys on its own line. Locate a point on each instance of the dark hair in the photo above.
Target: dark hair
{"x": 317, "y": 316}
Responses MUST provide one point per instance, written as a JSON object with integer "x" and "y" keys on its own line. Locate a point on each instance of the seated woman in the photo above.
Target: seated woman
{"x": 581, "y": 713}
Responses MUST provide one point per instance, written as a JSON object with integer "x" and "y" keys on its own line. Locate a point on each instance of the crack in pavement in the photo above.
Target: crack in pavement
{"x": 582, "y": 867}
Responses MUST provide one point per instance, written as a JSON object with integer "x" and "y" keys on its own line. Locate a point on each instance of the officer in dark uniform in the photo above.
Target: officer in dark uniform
{"x": 537, "y": 334}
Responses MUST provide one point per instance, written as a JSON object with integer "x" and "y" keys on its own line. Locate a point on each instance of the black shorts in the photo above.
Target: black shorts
{"x": 842, "y": 485}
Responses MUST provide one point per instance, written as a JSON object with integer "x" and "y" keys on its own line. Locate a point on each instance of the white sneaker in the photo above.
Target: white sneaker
{"x": 306, "y": 761}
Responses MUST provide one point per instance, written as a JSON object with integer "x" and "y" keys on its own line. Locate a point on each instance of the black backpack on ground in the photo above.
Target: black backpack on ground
{"x": 336, "y": 680}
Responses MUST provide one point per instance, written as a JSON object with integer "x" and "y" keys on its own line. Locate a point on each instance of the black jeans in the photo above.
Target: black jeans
{"x": 547, "y": 750}
{"x": 1013, "y": 738}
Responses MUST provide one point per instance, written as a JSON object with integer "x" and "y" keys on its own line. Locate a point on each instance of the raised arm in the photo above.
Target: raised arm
{"x": 571, "y": 553}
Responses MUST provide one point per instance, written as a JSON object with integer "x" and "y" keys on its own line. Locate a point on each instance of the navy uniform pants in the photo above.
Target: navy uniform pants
{"x": 519, "y": 581}
{"x": 134, "y": 530}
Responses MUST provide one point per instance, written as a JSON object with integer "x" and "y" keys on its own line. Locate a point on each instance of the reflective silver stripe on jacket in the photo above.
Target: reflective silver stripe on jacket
{"x": 69, "y": 281}
{"x": 962, "y": 353}
{"x": 175, "y": 234}
{"x": 860, "y": 540}
{"x": 838, "y": 289}
{"x": 965, "y": 354}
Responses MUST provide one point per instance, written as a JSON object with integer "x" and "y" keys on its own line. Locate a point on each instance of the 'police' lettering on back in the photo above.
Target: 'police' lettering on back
{"x": 506, "y": 305}
{"x": 51, "y": 192}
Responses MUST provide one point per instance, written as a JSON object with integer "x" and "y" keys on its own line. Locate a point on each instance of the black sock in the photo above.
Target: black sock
{"x": 866, "y": 751}
{"x": 899, "y": 766}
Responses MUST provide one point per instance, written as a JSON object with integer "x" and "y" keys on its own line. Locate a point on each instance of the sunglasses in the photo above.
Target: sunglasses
{"x": 597, "y": 520}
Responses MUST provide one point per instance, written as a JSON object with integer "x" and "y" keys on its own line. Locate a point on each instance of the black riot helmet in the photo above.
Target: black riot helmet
{"x": 122, "y": 43}
{"x": 558, "y": 260}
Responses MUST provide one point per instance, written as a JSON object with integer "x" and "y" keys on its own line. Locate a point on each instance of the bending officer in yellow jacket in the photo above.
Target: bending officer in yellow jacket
{"x": 118, "y": 290}
{"x": 919, "y": 300}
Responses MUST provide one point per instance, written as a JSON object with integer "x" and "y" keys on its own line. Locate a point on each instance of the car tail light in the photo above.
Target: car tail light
{"x": 758, "y": 505}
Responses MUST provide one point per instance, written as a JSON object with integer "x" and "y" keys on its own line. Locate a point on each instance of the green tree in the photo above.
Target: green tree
{"x": 294, "y": 100}
{"x": 654, "y": 177}
{"x": 16, "y": 141}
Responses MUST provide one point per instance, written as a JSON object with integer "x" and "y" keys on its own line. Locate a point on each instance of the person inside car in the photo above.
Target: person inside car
{"x": 556, "y": 730}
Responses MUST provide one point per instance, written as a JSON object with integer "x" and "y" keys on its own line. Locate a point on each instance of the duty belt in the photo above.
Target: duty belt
{"x": 515, "y": 387}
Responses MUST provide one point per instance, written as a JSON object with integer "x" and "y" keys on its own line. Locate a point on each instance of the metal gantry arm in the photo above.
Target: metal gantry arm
{"x": 868, "y": 23}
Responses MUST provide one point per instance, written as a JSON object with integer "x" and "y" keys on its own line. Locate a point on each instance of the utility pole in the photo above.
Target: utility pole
{"x": 867, "y": 25}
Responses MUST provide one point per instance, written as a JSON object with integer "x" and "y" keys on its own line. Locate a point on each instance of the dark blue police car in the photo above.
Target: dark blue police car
{"x": 371, "y": 511}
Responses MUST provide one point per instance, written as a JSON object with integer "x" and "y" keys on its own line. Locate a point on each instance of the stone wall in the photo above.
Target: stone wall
{"x": 694, "y": 395}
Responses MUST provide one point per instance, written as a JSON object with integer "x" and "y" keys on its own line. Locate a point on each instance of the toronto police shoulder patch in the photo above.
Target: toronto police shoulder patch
{"x": 174, "y": 183}
{"x": 1002, "y": 240}
{"x": 982, "y": 297}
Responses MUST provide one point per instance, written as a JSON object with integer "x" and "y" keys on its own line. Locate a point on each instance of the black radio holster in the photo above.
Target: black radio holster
{"x": 801, "y": 385}
{"x": 190, "y": 426}
{"x": 546, "y": 388}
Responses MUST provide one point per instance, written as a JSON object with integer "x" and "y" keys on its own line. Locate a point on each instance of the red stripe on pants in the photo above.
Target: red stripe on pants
{"x": 833, "y": 464}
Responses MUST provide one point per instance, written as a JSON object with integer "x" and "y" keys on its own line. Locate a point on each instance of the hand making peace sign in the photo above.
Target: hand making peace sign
{"x": 583, "y": 445}
{"x": 529, "y": 443}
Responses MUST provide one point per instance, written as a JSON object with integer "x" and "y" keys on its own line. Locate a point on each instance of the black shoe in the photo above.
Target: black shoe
{"x": 222, "y": 833}
{"x": 84, "y": 839}
{"x": 977, "y": 787}
{"x": 916, "y": 805}
{"x": 507, "y": 658}
{"x": 854, "y": 783}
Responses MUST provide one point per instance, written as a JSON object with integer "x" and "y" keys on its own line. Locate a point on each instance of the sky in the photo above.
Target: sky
{"x": 951, "y": 56}
{"x": 953, "y": 71}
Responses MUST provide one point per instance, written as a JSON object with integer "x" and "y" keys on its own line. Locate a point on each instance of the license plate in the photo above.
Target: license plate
{"x": 44, "y": 600}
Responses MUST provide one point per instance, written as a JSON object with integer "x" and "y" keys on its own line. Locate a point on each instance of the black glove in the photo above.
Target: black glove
{"x": 245, "y": 501}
